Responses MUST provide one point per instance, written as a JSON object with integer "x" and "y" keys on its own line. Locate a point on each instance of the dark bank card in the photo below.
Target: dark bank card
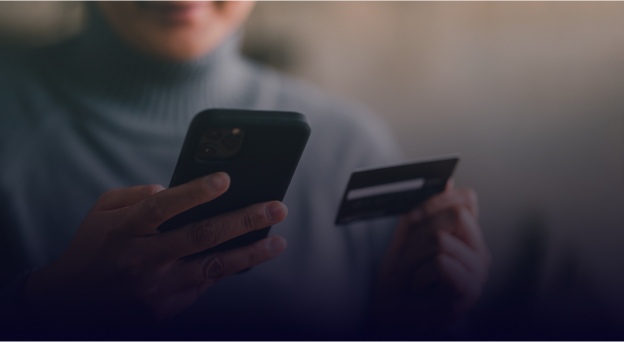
{"x": 394, "y": 189}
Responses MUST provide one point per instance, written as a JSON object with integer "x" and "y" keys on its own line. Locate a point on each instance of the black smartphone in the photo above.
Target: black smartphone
{"x": 259, "y": 150}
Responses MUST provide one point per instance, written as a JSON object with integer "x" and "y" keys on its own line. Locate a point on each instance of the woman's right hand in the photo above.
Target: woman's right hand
{"x": 120, "y": 269}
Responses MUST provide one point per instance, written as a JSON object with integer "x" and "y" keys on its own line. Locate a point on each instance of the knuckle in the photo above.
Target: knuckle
{"x": 151, "y": 189}
{"x": 204, "y": 234}
{"x": 214, "y": 269}
{"x": 155, "y": 209}
{"x": 107, "y": 195}
{"x": 250, "y": 219}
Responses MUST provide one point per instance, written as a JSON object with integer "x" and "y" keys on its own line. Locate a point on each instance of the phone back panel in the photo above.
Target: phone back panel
{"x": 260, "y": 171}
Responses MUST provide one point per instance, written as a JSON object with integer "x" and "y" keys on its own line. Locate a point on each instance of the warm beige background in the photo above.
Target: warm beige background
{"x": 529, "y": 93}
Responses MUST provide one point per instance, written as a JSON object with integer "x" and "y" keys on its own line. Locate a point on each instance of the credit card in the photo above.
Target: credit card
{"x": 394, "y": 189}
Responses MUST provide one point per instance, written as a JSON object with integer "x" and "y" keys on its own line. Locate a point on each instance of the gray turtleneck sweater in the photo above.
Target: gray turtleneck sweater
{"x": 90, "y": 114}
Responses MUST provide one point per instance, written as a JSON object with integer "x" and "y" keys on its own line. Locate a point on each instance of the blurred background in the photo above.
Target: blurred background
{"x": 532, "y": 96}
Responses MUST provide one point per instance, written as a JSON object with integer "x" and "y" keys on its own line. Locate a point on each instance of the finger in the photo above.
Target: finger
{"x": 456, "y": 220}
{"x": 125, "y": 197}
{"x": 468, "y": 230}
{"x": 204, "y": 270}
{"x": 458, "y": 250}
{"x": 201, "y": 235}
{"x": 450, "y": 184}
{"x": 422, "y": 245}
{"x": 462, "y": 288}
{"x": 148, "y": 214}
{"x": 414, "y": 246}
{"x": 410, "y": 247}
{"x": 398, "y": 242}
{"x": 449, "y": 199}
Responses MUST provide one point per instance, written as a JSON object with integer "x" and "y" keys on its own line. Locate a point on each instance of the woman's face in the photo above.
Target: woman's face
{"x": 175, "y": 30}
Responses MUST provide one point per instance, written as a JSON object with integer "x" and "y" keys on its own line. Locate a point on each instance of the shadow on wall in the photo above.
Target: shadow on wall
{"x": 38, "y": 22}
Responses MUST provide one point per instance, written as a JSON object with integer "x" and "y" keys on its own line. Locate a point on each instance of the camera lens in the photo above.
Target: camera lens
{"x": 206, "y": 151}
{"x": 231, "y": 142}
{"x": 214, "y": 134}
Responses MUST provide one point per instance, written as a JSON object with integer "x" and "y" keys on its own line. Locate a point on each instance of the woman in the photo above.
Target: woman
{"x": 109, "y": 108}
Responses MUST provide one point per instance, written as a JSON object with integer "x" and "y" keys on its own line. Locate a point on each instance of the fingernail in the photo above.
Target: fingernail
{"x": 276, "y": 245}
{"x": 276, "y": 211}
{"x": 218, "y": 181}
{"x": 416, "y": 215}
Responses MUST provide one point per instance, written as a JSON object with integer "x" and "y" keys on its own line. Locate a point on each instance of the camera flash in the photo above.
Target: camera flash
{"x": 236, "y": 131}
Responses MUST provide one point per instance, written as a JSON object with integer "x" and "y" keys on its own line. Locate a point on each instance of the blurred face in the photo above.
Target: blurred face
{"x": 175, "y": 30}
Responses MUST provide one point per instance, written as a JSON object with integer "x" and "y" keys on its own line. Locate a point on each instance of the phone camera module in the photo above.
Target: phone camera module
{"x": 231, "y": 142}
{"x": 214, "y": 134}
{"x": 207, "y": 151}
{"x": 218, "y": 143}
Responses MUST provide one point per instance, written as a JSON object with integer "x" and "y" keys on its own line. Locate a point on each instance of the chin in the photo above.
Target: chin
{"x": 176, "y": 31}
{"x": 181, "y": 45}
